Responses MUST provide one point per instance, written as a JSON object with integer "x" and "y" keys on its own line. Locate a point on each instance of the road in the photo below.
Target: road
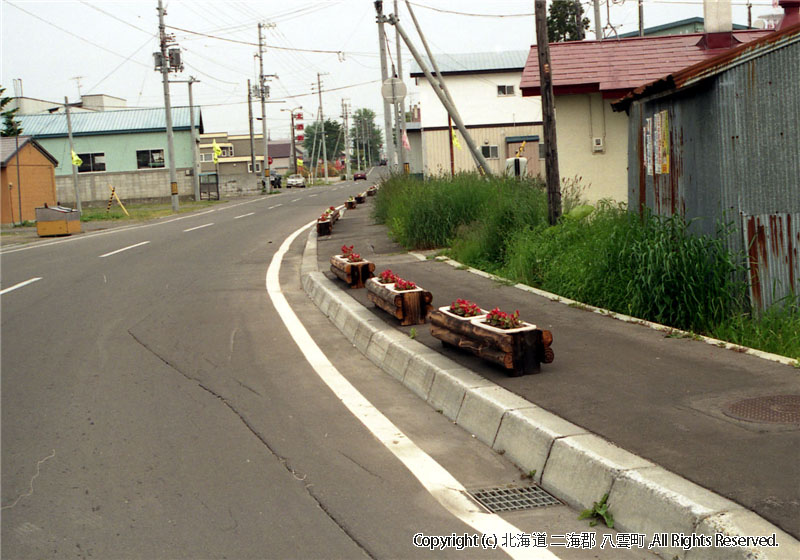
{"x": 156, "y": 405}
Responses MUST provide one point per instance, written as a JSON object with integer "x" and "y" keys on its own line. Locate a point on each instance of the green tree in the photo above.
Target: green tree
{"x": 562, "y": 23}
{"x": 11, "y": 127}
{"x": 366, "y": 139}
{"x": 334, "y": 141}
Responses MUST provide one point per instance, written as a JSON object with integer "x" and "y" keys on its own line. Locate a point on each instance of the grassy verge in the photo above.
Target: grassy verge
{"x": 141, "y": 212}
{"x": 649, "y": 267}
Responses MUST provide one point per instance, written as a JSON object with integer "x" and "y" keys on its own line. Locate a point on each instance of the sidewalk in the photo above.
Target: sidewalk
{"x": 684, "y": 465}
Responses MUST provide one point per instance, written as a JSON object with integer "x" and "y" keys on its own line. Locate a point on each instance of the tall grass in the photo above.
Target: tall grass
{"x": 649, "y": 267}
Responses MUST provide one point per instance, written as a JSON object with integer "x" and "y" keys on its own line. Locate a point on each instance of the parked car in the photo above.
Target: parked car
{"x": 275, "y": 180}
{"x": 359, "y": 175}
{"x": 295, "y": 180}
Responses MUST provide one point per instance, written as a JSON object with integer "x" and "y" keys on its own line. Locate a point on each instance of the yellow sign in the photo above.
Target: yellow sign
{"x": 76, "y": 161}
{"x": 217, "y": 151}
{"x": 456, "y": 143}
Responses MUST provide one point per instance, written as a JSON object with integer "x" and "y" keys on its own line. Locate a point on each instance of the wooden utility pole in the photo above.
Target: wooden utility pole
{"x": 598, "y": 27}
{"x": 548, "y": 115}
{"x": 252, "y": 135}
{"x": 74, "y": 167}
{"x": 166, "y": 63}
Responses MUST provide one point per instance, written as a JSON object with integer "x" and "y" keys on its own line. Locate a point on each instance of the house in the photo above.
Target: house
{"x": 484, "y": 87}
{"x": 589, "y": 75}
{"x": 125, "y": 149}
{"x": 234, "y": 168}
{"x": 680, "y": 27}
{"x": 89, "y": 102}
{"x": 27, "y": 178}
{"x": 717, "y": 142}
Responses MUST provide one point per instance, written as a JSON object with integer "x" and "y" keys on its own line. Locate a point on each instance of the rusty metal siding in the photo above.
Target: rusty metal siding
{"x": 734, "y": 141}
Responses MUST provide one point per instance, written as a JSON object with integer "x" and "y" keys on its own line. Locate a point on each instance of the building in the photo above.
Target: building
{"x": 234, "y": 168}
{"x": 27, "y": 177}
{"x": 91, "y": 102}
{"x": 124, "y": 149}
{"x": 680, "y": 27}
{"x": 718, "y": 142}
{"x": 589, "y": 75}
{"x": 484, "y": 87}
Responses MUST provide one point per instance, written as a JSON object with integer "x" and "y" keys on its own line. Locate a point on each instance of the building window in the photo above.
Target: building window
{"x": 227, "y": 151}
{"x": 250, "y": 167}
{"x": 207, "y": 157}
{"x": 505, "y": 90}
{"x": 148, "y": 159}
{"x": 489, "y": 152}
{"x": 541, "y": 151}
{"x": 92, "y": 162}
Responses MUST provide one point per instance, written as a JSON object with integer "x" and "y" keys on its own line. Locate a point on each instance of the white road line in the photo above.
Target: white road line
{"x": 243, "y": 215}
{"x": 20, "y": 285}
{"x": 271, "y": 207}
{"x": 448, "y": 491}
{"x": 311, "y": 196}
{"x": 295, "y": 200}
{"x": 199, "y": 227}
{"x": 124, "y": 249}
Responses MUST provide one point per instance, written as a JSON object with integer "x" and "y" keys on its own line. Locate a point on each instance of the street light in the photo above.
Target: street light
{"x": 294, "y": 149}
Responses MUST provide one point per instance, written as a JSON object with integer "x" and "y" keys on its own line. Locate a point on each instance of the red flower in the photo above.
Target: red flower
{"x": 387, "y": 277}
{"x": 465, "y": 308}
{"x": 401, "y": 285}
{"x": 503, "y": 320}
{"x": 346, "y": 250}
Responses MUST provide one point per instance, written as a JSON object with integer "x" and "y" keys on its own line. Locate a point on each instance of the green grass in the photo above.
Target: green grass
{"x": 648, "y": 267}
{"x": 141, "y": 212}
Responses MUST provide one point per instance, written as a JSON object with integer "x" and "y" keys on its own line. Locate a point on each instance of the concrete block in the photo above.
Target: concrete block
{"x": 423, "y": 367}
{"x": 654, "y": 500}
{"x": 380, "y": 342}
{"x": 742, "y": 522}
{"x": 449, "y": 387}
{"x": 483, "y": 409}
{"x": 526, "y": 436}
{"x": 365, "y": 330}
{"x": 396, "y": 361}
{"x": 581, "y": 468}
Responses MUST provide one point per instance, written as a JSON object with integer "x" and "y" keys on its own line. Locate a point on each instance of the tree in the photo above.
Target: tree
{"x": 11, "y": 127}
{"x": 366, "y": 138}
{"x": 334, "y": 143}
{"x": 562, "y": 23}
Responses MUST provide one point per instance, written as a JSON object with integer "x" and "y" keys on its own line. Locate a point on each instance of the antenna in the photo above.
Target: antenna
{"x": 78, "y": 82}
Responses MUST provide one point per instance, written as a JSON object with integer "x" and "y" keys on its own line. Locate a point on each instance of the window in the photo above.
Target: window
{"x": 227, "y": 151}
{"x": 250, "y": 167}
{"x": 92, "y": 162}
{"x": 489, "y": 152}
{"x": 207, "y": 157}
{"x": 148, "y": 159}
{"x": 505, "y": 90}
{"x": 541, "y": 151}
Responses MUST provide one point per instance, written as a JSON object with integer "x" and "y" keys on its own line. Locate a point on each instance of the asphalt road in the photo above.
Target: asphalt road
{"x": 154, "y": 405}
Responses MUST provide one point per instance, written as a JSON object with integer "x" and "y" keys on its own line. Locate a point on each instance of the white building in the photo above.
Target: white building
{"x": 485, "y": 89}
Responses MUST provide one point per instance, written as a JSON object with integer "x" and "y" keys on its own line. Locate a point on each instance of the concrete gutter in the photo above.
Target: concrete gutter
{"x": 573, "y": 464}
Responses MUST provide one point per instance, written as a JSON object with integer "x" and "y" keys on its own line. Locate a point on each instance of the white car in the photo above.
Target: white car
{"x": 295, "y": 180}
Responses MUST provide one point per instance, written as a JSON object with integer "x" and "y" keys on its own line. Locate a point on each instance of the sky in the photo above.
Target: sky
{"x": 61, "y": 48}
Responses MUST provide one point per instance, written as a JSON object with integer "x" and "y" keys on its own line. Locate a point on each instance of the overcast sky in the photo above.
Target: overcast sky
{"x": 106, "y": 47}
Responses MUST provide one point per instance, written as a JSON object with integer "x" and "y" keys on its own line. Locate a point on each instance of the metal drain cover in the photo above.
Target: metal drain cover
{"x": 513, "y": 498}
{"x": 775, "y": 409}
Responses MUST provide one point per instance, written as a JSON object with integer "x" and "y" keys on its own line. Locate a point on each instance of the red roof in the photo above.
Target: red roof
{"x": 615, "y": 67}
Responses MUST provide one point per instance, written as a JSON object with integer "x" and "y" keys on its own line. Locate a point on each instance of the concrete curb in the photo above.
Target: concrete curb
{"x": 570, "y": 462}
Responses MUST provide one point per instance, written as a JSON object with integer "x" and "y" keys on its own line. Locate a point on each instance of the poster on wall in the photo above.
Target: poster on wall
{"x": 657, "y": 142}
{"x": 647, "y": 133}
{"x": 664, "y": 142}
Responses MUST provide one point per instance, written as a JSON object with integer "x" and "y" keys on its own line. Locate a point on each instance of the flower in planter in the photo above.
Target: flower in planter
{"x": 351, "y": 199}
{"x": 386, "y": 277}
{"x": 503, "y": 320}
{"x": 402, "y": 285}
{"x": 354, "y": 257}
{"x": 346, "y": 250}
{"x": 332, "y": 209}
{"x": 325, "y": 217}
{"x": 465, "y": 308}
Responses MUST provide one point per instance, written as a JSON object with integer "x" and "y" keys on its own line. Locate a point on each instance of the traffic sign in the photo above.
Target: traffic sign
{"x": 393, "y": 90}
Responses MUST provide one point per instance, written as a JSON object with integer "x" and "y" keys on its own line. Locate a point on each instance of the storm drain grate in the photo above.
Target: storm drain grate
{"x": 513, "y": 498}
{"x": 775, "y": 409}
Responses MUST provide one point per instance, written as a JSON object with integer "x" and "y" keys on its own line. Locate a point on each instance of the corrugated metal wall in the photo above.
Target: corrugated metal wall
{"x": 727, "y": 149}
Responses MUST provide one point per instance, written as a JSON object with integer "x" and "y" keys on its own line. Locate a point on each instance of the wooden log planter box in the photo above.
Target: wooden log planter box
{"x": 410, "y": 306}
{"x": 361, "y": 198}
{"x": 355, "y": 274}
{"x": 372, "y": 190}
{"x": 350, "y": 204}
{"x": 324, "y": 227}
{"x": 520, "y": 350}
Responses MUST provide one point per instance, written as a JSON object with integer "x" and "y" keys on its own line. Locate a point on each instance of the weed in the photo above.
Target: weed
{"x": 412, "y": 333}
{"x": 598, "y": 511}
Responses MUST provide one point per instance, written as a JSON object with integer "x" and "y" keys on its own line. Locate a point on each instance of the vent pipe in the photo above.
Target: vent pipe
{"x": 791, "y": 13}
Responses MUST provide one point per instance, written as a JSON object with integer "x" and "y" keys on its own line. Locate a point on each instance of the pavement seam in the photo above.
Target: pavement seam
{"x": 621, "y": 316}
{"x": 644, "y": 489}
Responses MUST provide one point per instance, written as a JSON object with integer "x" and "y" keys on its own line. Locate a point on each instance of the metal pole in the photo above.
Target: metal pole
{"x": 387, "y": 111}
{"x": 252, "y": 136}
{"x": 71, "y": 150}
{"x": 450, "y": 142}
{"x": 322, "y": 122}
{"x": 641, "y": 18}
{"x": 598, "y": 28}
{"x": 19, "y": 186}
{"x": 548, "y": 113}
{"x": 195, "y": 164}
{"x": 347, "y": 171}
{"x": 263, "y": 86}
{"x": 402, "y": 103}
{"x": 294, "y": 145}
{"x": 173, "y": 177}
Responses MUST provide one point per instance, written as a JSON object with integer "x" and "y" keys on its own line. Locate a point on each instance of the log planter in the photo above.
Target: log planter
{"x": 324, "y": 227}
{"x": 361, "y": 198}
{"x": 520, "y": 351}
{"x": 350, "y": 204}
{"x": 372, "y": 190}
{"x": 410, "y": 306}
{"x": 355, "y": 274}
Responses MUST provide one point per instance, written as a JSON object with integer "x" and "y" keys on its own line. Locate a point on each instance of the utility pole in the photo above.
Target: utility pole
{"x": 322, "y": 122}
{"x": 252, "y": 136}
{"x": 264, "y": 91}
{"x": 641, "y": 17}
{"x": 71, "y": 151}
{"x": 387, "y": 111}
{"x": 578, "y": 22}
{"x": 598, "y": 27}
{"x": 166, "y": 63}
{"x": 549, "y": 115}
{"x": 346, "y": 141}
{"x": 400, "y": 124}
{"x": 195, "y": 164}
